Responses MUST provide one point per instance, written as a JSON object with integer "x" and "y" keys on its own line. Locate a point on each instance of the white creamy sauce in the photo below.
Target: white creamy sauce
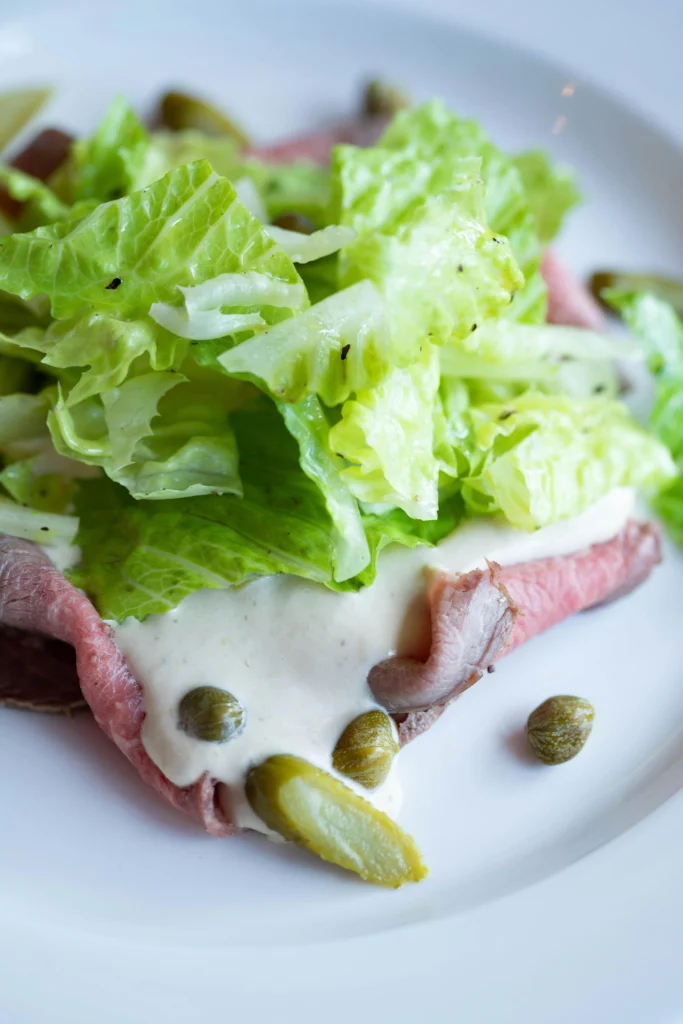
{"x": 297, "y": 655}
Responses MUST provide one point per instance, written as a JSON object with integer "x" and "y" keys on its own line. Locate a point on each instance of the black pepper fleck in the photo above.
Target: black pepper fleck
{"x": 345, "y": 351}
{"x": 460, "y": 268}
{"x": 491, "y": 669}
{"x": 45, "y": 528}
{"x": 474, "y": 327}
{"x": 113, "y": 284}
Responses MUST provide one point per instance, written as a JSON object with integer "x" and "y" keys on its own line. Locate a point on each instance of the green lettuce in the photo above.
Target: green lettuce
{"x": 47, "y": 492}
{"x": 547, "y": 457}
{"x": 551, "y": 191}
{"x": 182, "y": 230}
{"x": 107, "y": 165}
{"x": 142, "y": 557}
{"x": 659, "y": 328}
{"x": 422, "y": 238}
{"x": 22, "y": 417}
{"x": 525, "y": 200}
{"x": 46, "y": 207}
{"x": 386, "y": 435}
{"x": 38, "y": 526}
{"x": 307, "y": 423}
{"x": 570, "y": 360}
{"x": 340, "y": 345}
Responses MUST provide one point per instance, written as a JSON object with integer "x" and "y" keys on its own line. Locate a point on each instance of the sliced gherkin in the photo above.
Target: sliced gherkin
{"x": 366, "y": 749}
{"x": 211, "y": 714}
{"x": 180, "y": 111}
{"x": 310, "y": 807}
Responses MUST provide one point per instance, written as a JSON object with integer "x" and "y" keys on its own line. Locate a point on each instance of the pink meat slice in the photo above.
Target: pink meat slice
{"x": 476, "y": 617}
{"x": 316, "y": 146}
{"x": 36, "y": 598}
{"x": 569, "y": 301}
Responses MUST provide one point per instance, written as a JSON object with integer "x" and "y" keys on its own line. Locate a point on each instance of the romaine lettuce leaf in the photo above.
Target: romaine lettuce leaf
{"x": 202, "y": 317}
{"x": 22, "y": 417}
{"x": 299, "y": 187}
{"x": 143, "y": 557}
{"x": 46, "y": 207}
{"x": 307, "y": 423}
{"x": 167, "y": 150}
{"x": 551, "y": 191}
{"x": 423, "y": 240}
{"x": 47, "y": 492}
{"x": 106, "y": 165}
{"x": 386, "y": 434}
{"x": 525, "y": 197}
{"x": 38, "y": 526}
{"x": 570, "y": 360}
{"x": 159, "y": 434}
{"x": 657, "y": 326}
{"x": 547, "y": 457}
{"x": 182, "y": 230}
{"x": 306, "y": 248}
{"x": 340, "y": 345}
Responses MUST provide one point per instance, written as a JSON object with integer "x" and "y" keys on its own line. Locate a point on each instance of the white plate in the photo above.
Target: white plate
{"x": 554, "y": 895}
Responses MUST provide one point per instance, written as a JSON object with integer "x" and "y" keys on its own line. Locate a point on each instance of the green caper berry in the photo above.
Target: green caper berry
{"x": 559, "y": 727}
{"x": 211, "y": 714}
{"x": 381, "y": 99}
{"x": 366, "y": 748}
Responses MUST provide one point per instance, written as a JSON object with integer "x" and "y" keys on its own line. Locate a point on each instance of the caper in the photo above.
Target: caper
{"x": 381, "y": 99}
{"x": 180, "y": 111}
{"x": 559, "y": 727}
{"x": 314, "y": 809}
{"x": 211, "y": 714}
{"x": 366, "y": 748}
{"x": 295, "y": 222}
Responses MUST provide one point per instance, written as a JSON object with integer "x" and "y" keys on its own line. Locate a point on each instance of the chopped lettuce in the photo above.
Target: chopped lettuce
{"x": 547, "y": 457}
{"x": 46, "y": 207}
{"x": 143, "y": 557}
{"x": 551, "y": 191}
{"x": 307, "y": 423}
{"x": 568, "y": 359}
{"x": 338, "y": 346}
{"x": 386, "y": 434}
{"x": 22, "y": 418}
{"x": 161, "y": 435}
{"x": 47, "y": 492}
{"x": 422, "y": 238}
{"x": 182, "y": 230}
{"x": 525, "y": 197}
{"x": 106, "y": 165}
{"x": 306, "y": 248}
{"x": 38, "y": 526}
{"x": 202, "y": 317}
{"x": 657, "y": 325}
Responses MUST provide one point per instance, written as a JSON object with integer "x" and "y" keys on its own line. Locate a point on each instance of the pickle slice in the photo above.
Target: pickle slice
{"x": 310, "y": 807}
